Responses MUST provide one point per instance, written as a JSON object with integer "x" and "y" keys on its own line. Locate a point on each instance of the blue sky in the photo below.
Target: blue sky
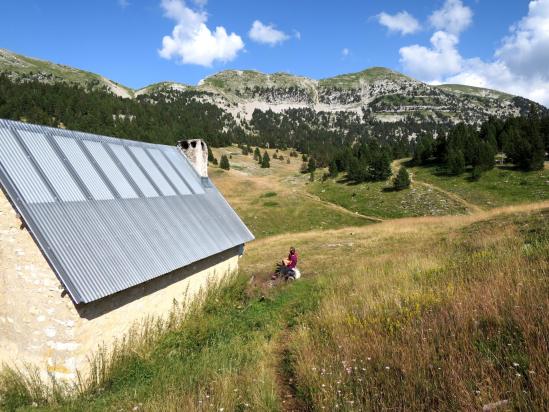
{"x": 499, "y": 44}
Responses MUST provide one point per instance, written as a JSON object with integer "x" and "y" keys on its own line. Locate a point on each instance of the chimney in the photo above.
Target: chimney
{"x": 197, "y": 153}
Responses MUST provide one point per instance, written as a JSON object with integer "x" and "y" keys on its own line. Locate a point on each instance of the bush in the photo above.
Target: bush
{"x": 311, "y": 165}
{"x": 224, "y": 163}
{"x": 402, "y": 179}
{"x": 257, "y": 155}
{"x": 265, "y": 161}
{"x": 332, "y": 169}
{"x": 476, "y": 172}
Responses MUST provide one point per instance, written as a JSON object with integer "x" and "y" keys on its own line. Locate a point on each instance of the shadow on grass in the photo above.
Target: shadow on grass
{"x": 346, "y": 181}
{"x": 390, "y": 189}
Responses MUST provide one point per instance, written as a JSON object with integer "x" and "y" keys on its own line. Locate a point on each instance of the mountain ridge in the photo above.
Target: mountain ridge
{"x": 381, "y": 93}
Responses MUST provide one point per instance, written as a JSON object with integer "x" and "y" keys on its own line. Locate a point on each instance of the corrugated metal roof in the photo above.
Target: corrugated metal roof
{"x": 109, "y": 213}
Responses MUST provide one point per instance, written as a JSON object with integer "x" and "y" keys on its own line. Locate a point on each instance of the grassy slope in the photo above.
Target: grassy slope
{"x": 442, "y": 313}
{"x": 497, "y": 187}
{"x": 15, "y": 63}
{"x": 434, "y": 193}
{"x": 271, "y": 201}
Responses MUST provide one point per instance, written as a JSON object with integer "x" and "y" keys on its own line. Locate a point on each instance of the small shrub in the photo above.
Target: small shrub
{"x": 402, "y": 179}
{"x": 476, "y": 172}
{"x": 224, "y": 163}
{"x": 265, "y": 161}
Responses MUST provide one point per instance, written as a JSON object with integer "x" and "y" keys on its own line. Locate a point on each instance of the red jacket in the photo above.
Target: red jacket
{"x": 293, "y": 260}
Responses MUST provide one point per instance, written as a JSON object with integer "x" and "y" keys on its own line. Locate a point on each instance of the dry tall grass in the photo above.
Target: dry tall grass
{"x": 425, "y": 320}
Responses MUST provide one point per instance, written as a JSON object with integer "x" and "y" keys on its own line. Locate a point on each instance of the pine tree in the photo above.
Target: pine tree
{"x": 311, "y": 166}
{"x": 257, "y": 155}
{"x": 402, "y": 179}
{"x": 265, "y": 161}
{"x": 224, "y": 163}
{"x": 423, "y": 149}
{"x": 210, "y": 155}
{"x": 456, "y": 162}
{"x": 485, "y": 156}
{"x": 332, "y": 169}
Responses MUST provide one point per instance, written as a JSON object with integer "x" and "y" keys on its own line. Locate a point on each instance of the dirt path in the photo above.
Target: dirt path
{"x": 340, "y": 208}
{"x": 395, "y": 165}
{"x": 469, "y": 206}
{"x": 284, "y": 376}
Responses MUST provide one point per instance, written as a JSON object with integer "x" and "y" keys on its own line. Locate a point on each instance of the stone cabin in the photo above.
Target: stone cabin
{"x": 97, "y": 233}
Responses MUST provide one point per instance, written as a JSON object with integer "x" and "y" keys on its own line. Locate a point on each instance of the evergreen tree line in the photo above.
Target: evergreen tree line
{"x": 362, "y": 162}
{"x": 355, "y": 143}
{"x": 522, "y": 141}
{"x": 163, "y": 119}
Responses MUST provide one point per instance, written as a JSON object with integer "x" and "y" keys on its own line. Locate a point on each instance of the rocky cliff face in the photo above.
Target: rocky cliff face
{"x": 376, "y": 93}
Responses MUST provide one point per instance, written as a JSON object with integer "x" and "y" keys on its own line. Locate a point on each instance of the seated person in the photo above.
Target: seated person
{"x": 291, "y": 261}
{"x": 288, "y": 265}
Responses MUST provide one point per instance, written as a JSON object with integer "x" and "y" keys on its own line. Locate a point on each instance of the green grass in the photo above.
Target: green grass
{"x": 376, "y": 199}
{"x": 214, "y": 358}
{"x": 476, "y": 91}
{"x": 292, "y": 214}
{"x": 352, "y": 80}
{"x": 497, "y": 187}
{"x": 440, "y": 316}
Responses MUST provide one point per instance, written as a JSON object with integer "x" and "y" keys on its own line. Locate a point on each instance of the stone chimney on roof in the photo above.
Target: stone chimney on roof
{"x": 197, "y": 153}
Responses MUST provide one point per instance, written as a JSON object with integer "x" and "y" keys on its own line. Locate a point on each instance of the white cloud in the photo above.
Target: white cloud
{"x": 192, "y": 42}
{"x": 432, "y": 63}
{"x": 402, "y": 22}
{"x": 453, "y": 17}
{"x": 526, "y": 50}
{"x": 267, "y": 34}
{"x": 123, "y": 3}
{"x": 200, "y": 3}
{"x": 345, "y": 52}
{"x": 519, "y": 65}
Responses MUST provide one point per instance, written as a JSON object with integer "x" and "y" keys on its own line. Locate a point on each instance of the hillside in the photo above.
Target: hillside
{"x": 444, "y": 309}
{"x": 377, "y": 93}
{"x": 22, "y": 68}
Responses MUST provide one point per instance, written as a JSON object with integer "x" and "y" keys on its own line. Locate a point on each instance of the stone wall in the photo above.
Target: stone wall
{"x": 39, "y": 324}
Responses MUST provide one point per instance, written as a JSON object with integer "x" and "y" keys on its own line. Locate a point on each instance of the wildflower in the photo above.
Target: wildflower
{"x": 518, "y": 375}
{"x": 515, "y": 364}
{"x": 386, "y": 367}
